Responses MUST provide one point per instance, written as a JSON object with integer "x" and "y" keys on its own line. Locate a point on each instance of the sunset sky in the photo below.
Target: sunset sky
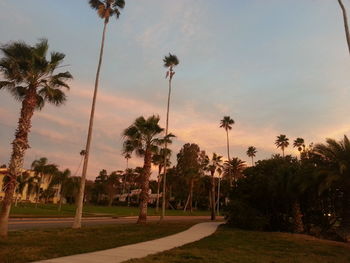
{"x": 276, "y": 67}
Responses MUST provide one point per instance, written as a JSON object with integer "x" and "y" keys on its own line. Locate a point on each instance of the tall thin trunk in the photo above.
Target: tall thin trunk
{"x": 158, "y": 189}
{"x": 19, "y": 146}
{"x": 213, "y": 216}
{"x": 283, "y": 152}
{"x": 252, "y": 161}
{"x": 228, "y": 156}
{"x": 346, "y": 25}
{"x": 218, "y": 199}
{"x": 344, "y": 228}
{"x": 191, "y": 196}
{"x": 145, "y": 187}
{"x": 80, "y": 201}
{"x": 165, "y": 147}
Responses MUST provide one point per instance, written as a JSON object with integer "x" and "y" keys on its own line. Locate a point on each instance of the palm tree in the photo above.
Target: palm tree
{"x": 213, "y": 165}
{"x": 251, "y": 152}
{"x": 346, "y": 25}
{"x": 158, "y": 160}
{"x": 127, "y": 156}
{"x": 22, "y": 181}
{"x": 61, "y": 179}
{"x": 227, "y": 123}
{"x": 41, "y": 167}
{"x": 105, "y": 10}
{"x": 233, "y": 169}
{"x": 30, "y": 77}
{"x": 142, "y": 137}
{"x": 282, "y": 142}
{"x": 169, "y": 62}
{"x": 337, "y": 154}
{"x": 299, "y": 143}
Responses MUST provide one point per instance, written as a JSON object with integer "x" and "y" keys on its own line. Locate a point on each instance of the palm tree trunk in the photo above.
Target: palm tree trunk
{"x": 165, "y": 147}
{"x": 228, "y": 156}
{"x": 213, "y": 216}
{"x": 80, "y": 201}
{"x": 346, "y": 26}
{"x": 191, "y": 196}
{"x": 218, "y": 199}
{"x": 297, "y": 218}
{"x": 252, "y": 161}
{"x": 19, "y": 146}
{"x": 344, "y": 228}
{"x": 158, "y": 189}
{"x": 145, "y": 187}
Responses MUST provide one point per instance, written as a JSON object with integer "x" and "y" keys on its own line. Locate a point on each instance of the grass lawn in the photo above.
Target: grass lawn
{"x": 50, "y": 210}
{"x": 25, "y": 246}
{"x": 231, "y": 245}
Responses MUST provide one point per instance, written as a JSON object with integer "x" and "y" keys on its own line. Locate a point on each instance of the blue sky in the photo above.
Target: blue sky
{"x": 273, "y": 66}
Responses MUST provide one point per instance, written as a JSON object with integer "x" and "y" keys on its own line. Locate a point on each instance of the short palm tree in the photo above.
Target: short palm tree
{"x": 233, "y": 170}
{"x": 142, "y": 137}
{"x": 170, "y": 62}
{"x": 61, "y": 179}
{"x": 346, "y": 24}
{"x": 282, "y": 142}
{"x": 30, "y": 76}
{"x": 337, "y": 154}
{"x": 214, "y": 164}
{"x": 299, "y": 143}
{"x": 105, "y": 10}
{"x": 251, "y": 152}
{"x": 158, "y": 160}
{"x": 41, "y": 167}
{"x": 22, "y": 181}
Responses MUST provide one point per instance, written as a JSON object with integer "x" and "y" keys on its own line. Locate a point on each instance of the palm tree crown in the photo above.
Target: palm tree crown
{"x": 251, "y": 152}
{"x": 170, "y": 62}
{"x": 27, "y": 70}
{"x": 227, "y": 123}
{"x": 299, "y": 143}
{"x": 233, "y": 169}
{"x": 107, "y": 8}
{"x": 282, "y": 142}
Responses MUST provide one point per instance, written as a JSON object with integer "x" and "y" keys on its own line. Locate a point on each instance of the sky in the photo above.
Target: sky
{"x": 276, "y": 67}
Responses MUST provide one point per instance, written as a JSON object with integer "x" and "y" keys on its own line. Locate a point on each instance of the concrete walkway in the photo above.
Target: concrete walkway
{"x": 143, "y": 249}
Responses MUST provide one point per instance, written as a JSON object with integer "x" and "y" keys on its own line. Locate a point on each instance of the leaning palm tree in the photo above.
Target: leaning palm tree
{"x": 214, "y": 164}
{"x": 282, "y": 142}
{"x": 169, "y": 62}
{"x": 31, "y": 78}
{"x": 105, "y": 10}
{"x": 337, "y": 155}
{"x": 251, "y": 152}
{"x": 299, "y": 143}
{"x": 142, "y": 138}
{"x": 346, "y": 24}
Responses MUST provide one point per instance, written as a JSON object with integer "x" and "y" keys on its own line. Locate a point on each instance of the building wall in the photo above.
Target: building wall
{"x": 24, "y": 196}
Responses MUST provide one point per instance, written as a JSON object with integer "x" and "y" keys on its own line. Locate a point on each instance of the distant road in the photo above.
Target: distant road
{"x": 41, "y": 223}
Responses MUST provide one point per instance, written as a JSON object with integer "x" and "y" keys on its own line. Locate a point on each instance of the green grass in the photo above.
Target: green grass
{"x": 26, "y": 246}
{"x": 50, "y": 210}
{"x": 229, "y": 245}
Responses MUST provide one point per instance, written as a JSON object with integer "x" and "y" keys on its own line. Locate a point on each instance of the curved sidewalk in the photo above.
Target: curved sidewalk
{"x": 143, "y": 249}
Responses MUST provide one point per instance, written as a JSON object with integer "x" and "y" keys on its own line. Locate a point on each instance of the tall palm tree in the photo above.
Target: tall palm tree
{"x": 346, "y": 24}
{"x": 127, "y": 156}
{"x": 105, "y": 10}
{"x": 214, "y": 164}
{"x": 31, "y": 78}
{"x": 337, "y": 154}
{"x": 142, "y": 138}
{"x": 299, "y": 143}
{"x": 251, "y": 152}
{"x": 227, "y": 123}
{"x": 169, "y": 62}
{"x": 233, "y": 170}
{"x": 282, "y": 142}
